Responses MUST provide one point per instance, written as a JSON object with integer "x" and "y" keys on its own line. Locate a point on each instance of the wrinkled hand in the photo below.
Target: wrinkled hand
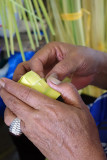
{"x": 61, "y": 131}
{"x": 80, "y": 63}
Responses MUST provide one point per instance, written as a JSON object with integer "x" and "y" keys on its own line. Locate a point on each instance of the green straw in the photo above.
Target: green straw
{"x": 12, "y": 7}
{"x": 60, "y": 32}
{"x": 27, "y": 27}
{"x": 32, "y": 23}
{"x": 3, "y": 14}
{"x": 46, "y": 16}
{"x": 26, "y": 10}
{"x": 10, "y": 25}
{"x": 18, "y": 10}
{"x": 35, "y": 20}
{"x": 66, "y": 8}
{"x": 42, "y": 23}
{"x": 17, "y": 34}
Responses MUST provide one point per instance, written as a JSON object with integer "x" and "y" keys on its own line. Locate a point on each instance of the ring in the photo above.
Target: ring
{"x": 15, "y": 127}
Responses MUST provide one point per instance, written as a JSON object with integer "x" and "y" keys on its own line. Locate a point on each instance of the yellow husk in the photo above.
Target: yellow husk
{"x": 34, "y": 81}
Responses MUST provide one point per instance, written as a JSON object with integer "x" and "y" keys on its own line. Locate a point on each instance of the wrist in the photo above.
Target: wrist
{"x": 98, "y": 153}
{"x": 100, "y": 76}
{"x": 102, "y": 64}
{"x": 94, "y": 152}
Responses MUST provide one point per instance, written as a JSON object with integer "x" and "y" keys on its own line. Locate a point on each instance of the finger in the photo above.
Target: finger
{"x": 21, "y": 69}
{"x": 68, "y": 92}
{"x": 45, "y": 56}
{"x": 61, "y": 69}
{"x": 27, "y": 95}
{"x": 64, "y": 67}
{"x": 19, "y": 108}
{"x": 8, "y": 116}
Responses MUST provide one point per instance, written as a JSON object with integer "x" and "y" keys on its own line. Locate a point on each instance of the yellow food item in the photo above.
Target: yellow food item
{"x": 34, "y": 81}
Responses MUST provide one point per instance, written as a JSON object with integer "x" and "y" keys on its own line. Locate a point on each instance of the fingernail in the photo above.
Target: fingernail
{"x": 54, "y": 75}
{"x": 2, "y": 83}
{"x": 54, "y": 80}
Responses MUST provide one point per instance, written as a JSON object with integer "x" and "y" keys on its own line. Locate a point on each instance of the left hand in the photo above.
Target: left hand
{"x": 61, "y": 131}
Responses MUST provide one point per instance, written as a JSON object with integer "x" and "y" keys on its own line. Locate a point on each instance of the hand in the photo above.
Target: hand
{"x": 61, "y": 131}
{"x": 80, "y": 63}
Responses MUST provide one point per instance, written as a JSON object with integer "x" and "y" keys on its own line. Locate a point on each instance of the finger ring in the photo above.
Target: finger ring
{"x": 15, "y": 127}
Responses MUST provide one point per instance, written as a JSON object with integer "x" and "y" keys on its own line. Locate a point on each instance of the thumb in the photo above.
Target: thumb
{"x": 68, "y": 91}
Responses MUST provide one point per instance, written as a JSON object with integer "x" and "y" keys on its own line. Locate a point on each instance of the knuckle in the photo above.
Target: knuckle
{"x": 32, "y": 63}
{"x": 26, "y": 94}
{"x": 35, "y": 64}
{"x": 65, "y": 66}
{"x": 69, "y": 86}
{"x": 31, "y": 60}
{"x": 16, "y": 75}
{"x": 19, "y": 65}
{"x": 62, "y": 68}
{"x": 13, "y": 103}
{"x": 35, "y": 117}
{"x": 52, "y": 44}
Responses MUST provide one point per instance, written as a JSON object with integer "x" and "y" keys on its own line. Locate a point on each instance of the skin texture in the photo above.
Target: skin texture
{"x": 85, "y": 66}
{"x": 60, "y": 130}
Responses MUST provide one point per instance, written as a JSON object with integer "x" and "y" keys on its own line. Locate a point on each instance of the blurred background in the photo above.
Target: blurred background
{"x": 25, "y": 27}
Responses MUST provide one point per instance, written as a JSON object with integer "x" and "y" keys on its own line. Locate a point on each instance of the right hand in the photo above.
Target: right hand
{"x": 61, "y": 131}
{"x": 63, "y": 59}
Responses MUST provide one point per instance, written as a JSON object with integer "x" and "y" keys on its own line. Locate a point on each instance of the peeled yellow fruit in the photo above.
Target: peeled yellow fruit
{"x": 34, "y": 81}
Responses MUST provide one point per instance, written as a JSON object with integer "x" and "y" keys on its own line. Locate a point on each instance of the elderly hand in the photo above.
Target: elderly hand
{"x": 83, "y": 64}
{"x": 61, "y": 131}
